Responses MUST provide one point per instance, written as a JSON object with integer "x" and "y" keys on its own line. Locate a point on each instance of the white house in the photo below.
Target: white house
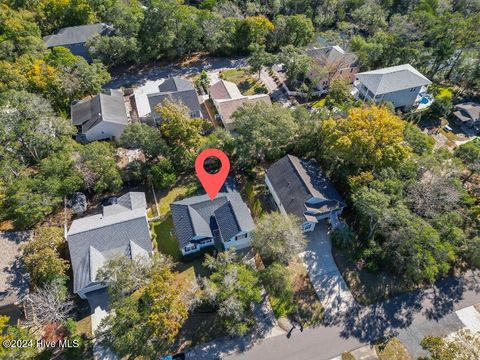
{"x": 298, "y": 187}
{"x": 224, "y": 222}
{"x": 101, "y": 117}
{"x": 120, "y": 230}
{"x": 402, "y": 85}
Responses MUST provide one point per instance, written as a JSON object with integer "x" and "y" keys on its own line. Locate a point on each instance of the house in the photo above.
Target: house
{"x": 299, "y": 187}
{"x": 75, "y": 37}
{"x": 14, "y": 284}
{"x": 336, "y": 62}
{"x": 120, "y": 230}
{"x": 227, "y": 99}
{"x": 401, "y": 85}
{"x": 101, "y": 117}
{"x": 174, "y": 89}
{"x": 224, "y": 222}
{"x": 468, "y": 114}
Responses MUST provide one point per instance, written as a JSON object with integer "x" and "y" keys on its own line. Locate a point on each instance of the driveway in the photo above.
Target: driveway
{"x": 329, "y": 284}
{"x": 98, "y": 301}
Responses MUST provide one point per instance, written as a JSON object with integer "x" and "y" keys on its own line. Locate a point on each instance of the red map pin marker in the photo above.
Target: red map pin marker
{"x": 212, "y": 182}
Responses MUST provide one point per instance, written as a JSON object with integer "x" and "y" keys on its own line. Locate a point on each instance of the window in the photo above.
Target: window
{"x": 190, "y": 248}
{"x": 241, "y": 236}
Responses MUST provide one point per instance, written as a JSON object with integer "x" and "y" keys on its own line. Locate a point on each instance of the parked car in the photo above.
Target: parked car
{"x": 447, "y": 128}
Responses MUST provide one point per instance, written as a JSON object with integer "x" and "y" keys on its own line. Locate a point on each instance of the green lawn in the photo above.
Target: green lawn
{"x": 392, "y": 350}
{"x": 165, "y": 238}
{"x": 247, "y": 84}
{"x": 176, "y": 193}
{"x": 319, "y": 103}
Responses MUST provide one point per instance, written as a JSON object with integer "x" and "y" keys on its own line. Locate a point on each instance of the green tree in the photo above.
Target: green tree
{"x": 278, "y": 238}
{"x": 469, "y": 153}
{"x": 29, "y": 129}
{"x": 259, "y": 58}
{"x": 296, "y": 30}
{"x": 17, "y": 333}
{"x": 96, "y": 162}
{"x": 338, "y": 94}
{"x": 163, "y": 174}
{"x": 41, "y": 256}
{"x": 264, "y": 132}
{"x": 276, "y": 280}
{"x": 146, "y": 322}
{"x": 462, "y": 345}
{"x": 232, "y": 288}
{"x": 370, "y": 17}
{"x": 296, "y": 62}
{"x": 144, "y": 137}
{"x": 419, "y": 142}
{"x": 113, "y": 50}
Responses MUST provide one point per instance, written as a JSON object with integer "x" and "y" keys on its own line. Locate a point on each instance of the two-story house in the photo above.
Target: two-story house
{"x": 299, "y": 187}
{"x": 402, "y": 85}
{"x": 224, "y": 222}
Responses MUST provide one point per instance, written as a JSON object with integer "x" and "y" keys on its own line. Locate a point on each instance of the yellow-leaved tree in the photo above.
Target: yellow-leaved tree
{"x": 369, "y": 138}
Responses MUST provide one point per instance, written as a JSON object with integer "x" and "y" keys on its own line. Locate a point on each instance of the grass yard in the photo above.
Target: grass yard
{"x": 393, "y": 350}
{"x": 247, "y": 84}
{"x": 177, "y": 193}
{"x": 165, "y": 238}
{"x": 367, "y": 288}
{"x": 310, "y": 309}
{"x": 84, "y": 326}
{"x": 192, "y": 269}
{"x": 318, "y": 103}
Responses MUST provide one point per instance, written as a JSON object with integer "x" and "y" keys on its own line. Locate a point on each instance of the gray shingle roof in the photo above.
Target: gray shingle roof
{"x": 90, "y": 112}
{"x": 176, "y": 90}
{"x": 297, "y": 181}
{"x": 394, "y": 78}
{"x": 470, "y": 108}
{"x": 93, "y": 240}
{"x": 76, "y": 34}
{"x": 195, "y": 217}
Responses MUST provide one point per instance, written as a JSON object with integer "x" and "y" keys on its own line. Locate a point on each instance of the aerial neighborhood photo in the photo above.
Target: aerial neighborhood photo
{"x": 239, "y": 179}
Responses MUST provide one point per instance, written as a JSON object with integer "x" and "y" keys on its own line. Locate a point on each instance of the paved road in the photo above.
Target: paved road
{"x": 408, "y": 316}
{"x": 131, "y": 78}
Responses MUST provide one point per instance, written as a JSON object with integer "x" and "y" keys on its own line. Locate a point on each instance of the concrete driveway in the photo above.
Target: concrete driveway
{"x": 98, "y": 301}
{"x": 324, "y": 274}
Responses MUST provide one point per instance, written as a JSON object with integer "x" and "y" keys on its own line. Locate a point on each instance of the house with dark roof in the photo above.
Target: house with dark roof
{"x": 468, "y": 114}
{"x": 403, "y": 86}
{"x": 101, "y": 117}
{"x": 14, "y": 283}
{"x": 174, "y": 89}
{"x": 75, "y": 37}
{"x": 336, "y": 63}
{"x": 120, "y": 230}
{"x": 224, "y": 222}
{"x": 227, "y": 99}
{"x": 299, "y": 187}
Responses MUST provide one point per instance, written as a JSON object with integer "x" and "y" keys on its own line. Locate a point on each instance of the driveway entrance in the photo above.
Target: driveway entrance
{"x": 326, "y": 278}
